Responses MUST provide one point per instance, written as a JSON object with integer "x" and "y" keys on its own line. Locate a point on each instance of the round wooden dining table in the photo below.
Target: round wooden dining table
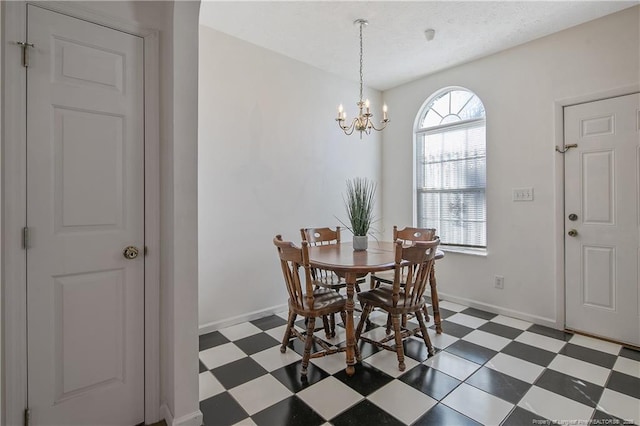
{"x": 342, "y": 259}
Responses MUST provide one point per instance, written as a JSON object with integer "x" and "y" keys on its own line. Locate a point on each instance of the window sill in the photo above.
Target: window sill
{"x": 464, "y": 250}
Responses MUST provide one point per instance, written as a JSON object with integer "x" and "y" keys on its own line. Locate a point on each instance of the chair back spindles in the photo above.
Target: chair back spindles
{"x": 292, "y": 259}
{"x": 408, "y": 235}
{"x": 415, "y": 262}
{"x": 413, "y": 234}
{"x": 320, "y": 236}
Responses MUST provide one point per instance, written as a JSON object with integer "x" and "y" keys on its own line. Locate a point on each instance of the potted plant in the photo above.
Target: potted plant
{"x": 359, "y": 201}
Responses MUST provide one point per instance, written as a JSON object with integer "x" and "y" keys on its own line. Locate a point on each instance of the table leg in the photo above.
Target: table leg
{"x": 351, "y": 338}
{"x": 435, "y": 303}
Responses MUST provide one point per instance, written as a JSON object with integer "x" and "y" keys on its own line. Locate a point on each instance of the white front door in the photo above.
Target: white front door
{"x": 85, "y": 204}
{"x": 602, "y": 218}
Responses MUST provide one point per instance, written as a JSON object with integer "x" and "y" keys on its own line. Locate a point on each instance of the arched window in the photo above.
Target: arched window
{"x": 451, "y": 167}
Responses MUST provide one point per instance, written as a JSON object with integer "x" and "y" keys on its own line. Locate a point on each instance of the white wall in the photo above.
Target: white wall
{"x": 179, "y": 219}
{"x": 520, "y": 89}
{"x": 271, "y": 160}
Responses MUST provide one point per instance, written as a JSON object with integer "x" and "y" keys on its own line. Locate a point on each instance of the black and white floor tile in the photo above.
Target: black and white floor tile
{"x": 488, "y": 369}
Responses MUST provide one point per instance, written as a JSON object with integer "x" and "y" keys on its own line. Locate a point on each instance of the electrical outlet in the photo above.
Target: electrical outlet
{"x": 499, "y": 282}
{"x": 523, "y": 194}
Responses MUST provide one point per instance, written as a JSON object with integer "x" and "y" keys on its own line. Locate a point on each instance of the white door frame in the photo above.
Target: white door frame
{"x": 14, "y": 314}
{"x": 559, "y": 188}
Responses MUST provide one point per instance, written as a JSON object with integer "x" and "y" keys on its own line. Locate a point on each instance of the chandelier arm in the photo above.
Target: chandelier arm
{"x": 348, "y": 130}
{"x": 384, "y": 124}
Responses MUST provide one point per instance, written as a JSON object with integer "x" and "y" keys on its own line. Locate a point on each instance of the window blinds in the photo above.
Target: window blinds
{"x": 451, "y": 181}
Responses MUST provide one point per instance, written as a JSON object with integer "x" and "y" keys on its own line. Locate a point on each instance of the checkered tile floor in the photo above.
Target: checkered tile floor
{"x": 488, "y": 369}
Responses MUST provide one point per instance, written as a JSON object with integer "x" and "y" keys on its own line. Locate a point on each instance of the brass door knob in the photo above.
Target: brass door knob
{"x": 130, "y": 252}
{"x": 572, "y": 233}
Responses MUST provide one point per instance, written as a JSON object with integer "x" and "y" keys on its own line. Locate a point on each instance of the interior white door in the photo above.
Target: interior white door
{"x": 85, "y": 199}
{"x": 602, "y": 178}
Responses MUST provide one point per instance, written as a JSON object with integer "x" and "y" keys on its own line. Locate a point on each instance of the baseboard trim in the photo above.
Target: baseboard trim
{"x": 500, "y": 310}
{"x": 228, "y": 322}
{"x": 191, "y": 419}
{"x": 166, "y": 414}
{"x": 547, "y": 322}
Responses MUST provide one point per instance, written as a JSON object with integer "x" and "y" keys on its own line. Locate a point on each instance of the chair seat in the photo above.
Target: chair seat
{"x": 325, "y": 301}
{"x": 382, "y": 297}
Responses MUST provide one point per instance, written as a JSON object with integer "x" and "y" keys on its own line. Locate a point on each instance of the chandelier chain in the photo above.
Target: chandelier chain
{"x": 361, "y": 54}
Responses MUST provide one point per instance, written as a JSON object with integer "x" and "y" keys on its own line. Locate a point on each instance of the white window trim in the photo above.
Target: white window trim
{"x": 472, "y": 251}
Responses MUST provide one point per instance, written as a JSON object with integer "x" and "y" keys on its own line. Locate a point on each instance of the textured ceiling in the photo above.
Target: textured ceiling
{"x": 322, "y": 34}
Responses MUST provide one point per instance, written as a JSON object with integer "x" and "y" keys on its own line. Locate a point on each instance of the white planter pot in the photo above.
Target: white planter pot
{"x": 360, "y": 242}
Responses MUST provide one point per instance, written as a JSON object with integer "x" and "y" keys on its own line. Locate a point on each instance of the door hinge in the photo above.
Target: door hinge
{"x": 25, "y": 238}
{"x": 25, "y": 52}
{"x": 27, "y": 417}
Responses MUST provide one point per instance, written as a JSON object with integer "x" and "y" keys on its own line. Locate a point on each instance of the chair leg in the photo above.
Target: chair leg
{"x": 343, "y": 315}
{"x": 287, "y": 333}
{"x": 373, "y": 282}
{"x": 332, "y": 326}
{"x": 426, "y": 313}
{"x": 423, "y": 331}
{"x": 326, "y": 325}
{"x": 368, "y": 323}
{"x": 307, "y": 346}
{"x": 395, "y": 319}
{"x": 366, "y": 311}
{"x": 435, "y": 302}
{"x": 389, "y": 324}
{"x": 362, "y": 308}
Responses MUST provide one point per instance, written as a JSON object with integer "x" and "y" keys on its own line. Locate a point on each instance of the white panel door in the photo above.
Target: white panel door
{"x": 85, "y": 199}
{"x": 602, "y": 191}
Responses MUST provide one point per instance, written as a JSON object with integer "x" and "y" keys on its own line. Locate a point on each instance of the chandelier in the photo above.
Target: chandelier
{"x": 363, "y": 122}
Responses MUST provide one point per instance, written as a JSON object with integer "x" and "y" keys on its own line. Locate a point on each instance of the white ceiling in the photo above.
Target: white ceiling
{"x": 322, "y": 34}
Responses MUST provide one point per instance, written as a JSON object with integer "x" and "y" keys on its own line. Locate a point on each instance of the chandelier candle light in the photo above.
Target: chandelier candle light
{"x": 362, "y": 122}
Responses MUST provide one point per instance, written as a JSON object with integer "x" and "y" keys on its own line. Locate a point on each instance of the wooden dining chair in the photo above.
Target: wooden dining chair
{"x": 404, "y": 296}
{"x": 325, "y": 278}
{"x": 407, "y": 235}
{"x": 305, "y": 300}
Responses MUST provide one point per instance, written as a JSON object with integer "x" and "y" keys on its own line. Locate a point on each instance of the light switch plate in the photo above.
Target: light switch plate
{"x": 523, "y": 194}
